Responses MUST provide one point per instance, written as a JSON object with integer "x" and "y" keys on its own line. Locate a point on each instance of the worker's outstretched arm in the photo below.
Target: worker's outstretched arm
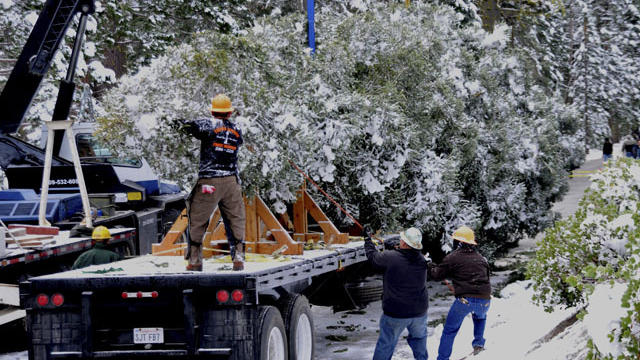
{"x": 440, "y": 271}
{"x": 194, "y": 128}
{"x": 375, "y": 257}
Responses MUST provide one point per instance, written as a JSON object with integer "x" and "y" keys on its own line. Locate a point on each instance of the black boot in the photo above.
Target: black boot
{"x": 237, "y": 257}
{"x": 194, "y": 255}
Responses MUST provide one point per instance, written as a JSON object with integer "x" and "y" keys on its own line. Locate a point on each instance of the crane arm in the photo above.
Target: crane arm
{"x": 35, "y": 59}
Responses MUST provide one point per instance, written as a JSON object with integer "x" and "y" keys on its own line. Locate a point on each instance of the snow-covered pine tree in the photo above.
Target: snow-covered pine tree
{"x": 434, "y": 130}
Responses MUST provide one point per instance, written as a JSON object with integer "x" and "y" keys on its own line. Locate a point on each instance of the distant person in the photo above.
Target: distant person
{"x": 607, "y": 150}
{"x": 99, "y": 254}
{"x": 404, "y": 297}
{"x": 628, "y": 144}
{"x": 469, "y": 272}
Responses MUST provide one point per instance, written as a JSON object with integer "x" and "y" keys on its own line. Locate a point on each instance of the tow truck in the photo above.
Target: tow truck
{"x": 72, "y": 182}
{"x": 122, "y": 192}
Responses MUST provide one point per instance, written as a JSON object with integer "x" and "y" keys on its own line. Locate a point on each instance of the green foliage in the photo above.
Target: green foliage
{"x": 432, "y": 131}
{"x": 597, "y": 245}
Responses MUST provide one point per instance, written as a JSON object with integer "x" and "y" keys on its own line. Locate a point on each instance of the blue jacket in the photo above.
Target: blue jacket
{"x": 220, "y": 141}
{"x": 405, "y": 280}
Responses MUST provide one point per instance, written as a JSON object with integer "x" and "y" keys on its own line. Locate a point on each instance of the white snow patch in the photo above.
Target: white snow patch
{"x": 371, "y": 184}
{"x": 498, "y": 38}
{"x": 31, "y": 18}
{"x": 147, "y": 124}
{"x": 101, "y": 73}
{"x": 132, "y": 102}
{"x": 328, "y": 152}
{"x": 6, "y": 4}
{"x": 603, "y": 318}
{"x": 376, "y": 139}
{"x": 90, "y": 49}
{"x": 285, "y": 120}
{"x": 358, "y": 4}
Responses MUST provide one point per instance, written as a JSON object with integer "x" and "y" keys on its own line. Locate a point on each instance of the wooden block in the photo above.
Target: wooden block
{"x": 251, "y": 225}
{"x": 28, "y": 239}
{"x": 16, "y": 231}
{"x": 37, "y": 230}
{"x": 300, "y": 214}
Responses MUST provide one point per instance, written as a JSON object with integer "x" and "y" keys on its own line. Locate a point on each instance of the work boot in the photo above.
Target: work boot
{"x": 237, "y": 257}
{"x": 195, "y": 258}
{"x": 477, "y": 349}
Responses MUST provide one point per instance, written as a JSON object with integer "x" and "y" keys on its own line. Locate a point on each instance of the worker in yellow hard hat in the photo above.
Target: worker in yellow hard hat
{"x": 218, "y": 182}
{"x": 469, "y": 271}
{"x": 99, "y": 254}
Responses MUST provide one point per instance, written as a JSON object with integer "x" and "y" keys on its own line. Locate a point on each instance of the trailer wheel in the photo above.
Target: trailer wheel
{"x": 271, "y": 335}
{"x": 365, "y": 292}
{"x": 298, "y": 322}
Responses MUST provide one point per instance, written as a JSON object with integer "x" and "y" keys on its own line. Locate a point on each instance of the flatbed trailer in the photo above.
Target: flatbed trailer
{"x": 20, "y": 263}
{"x": 150, "y": 306}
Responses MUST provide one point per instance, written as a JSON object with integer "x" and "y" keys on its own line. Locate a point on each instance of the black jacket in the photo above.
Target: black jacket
{"x": 220, "y": 141}
{"x": 405, "y": 280}
{"x": 468, "y": 270}
{"x": 607, "y": 148}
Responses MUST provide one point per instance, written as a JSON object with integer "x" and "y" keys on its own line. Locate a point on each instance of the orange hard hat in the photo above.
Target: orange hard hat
{"x": 221, "y": 104}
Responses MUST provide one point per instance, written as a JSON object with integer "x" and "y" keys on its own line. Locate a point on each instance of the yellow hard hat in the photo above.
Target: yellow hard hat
{"x": 221, "y": 104}
{"x": 101, "y": 233}
{"x": 465, "y": 234}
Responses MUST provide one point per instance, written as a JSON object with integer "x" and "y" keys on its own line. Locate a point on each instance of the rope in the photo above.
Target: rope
{"x": 325, "y": 194}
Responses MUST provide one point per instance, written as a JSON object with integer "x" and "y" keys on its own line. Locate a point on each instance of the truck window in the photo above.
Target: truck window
{"x": 91, "y": 150}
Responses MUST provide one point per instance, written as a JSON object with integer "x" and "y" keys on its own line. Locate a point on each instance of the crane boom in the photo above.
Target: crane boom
{"x": 35, "y": 59}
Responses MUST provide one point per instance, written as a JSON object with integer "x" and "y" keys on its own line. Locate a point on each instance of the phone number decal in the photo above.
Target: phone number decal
{"x": 63, "y": 182}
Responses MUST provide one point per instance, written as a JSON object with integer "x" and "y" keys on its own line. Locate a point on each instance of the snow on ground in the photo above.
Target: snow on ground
{"x": 515, "y": 329}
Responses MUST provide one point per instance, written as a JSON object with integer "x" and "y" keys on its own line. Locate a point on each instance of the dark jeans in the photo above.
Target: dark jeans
{"x": 478, "y": 309}
{"x": 390, "y": 330}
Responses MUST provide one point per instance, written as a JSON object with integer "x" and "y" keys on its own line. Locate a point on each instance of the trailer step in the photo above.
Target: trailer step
{"x": 141, "y": 353}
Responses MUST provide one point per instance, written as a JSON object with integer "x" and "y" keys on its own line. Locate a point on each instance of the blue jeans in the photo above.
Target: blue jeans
{"x": 606, "y": 157}
{"x": 478, "y": 309}
{"x": 390, "y": 330}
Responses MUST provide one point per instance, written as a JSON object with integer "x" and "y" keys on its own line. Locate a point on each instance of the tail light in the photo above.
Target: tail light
{"x": 42, "y": 300}
{"x": 222, "y": 296}
{"x": 57, "y": 299}
{"x": 139, "y": 294}
{"x": 237, "y": 295}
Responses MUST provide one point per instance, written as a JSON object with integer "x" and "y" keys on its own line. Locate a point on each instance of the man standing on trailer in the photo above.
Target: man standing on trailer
{"x": 218, "y": 182}
{"x": 404, "y": 297}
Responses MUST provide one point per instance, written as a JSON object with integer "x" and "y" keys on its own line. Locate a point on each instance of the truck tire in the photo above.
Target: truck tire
{"x": 271, "y": 335}
{"x": 365, "y": 292}
{"x": 298, "y": 322}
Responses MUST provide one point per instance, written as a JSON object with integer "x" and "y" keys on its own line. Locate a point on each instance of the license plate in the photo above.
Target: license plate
{"x": 148, "y": 335}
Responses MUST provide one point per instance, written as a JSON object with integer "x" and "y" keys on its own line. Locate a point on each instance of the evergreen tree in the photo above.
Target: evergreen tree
{"x": 437, "y": 130}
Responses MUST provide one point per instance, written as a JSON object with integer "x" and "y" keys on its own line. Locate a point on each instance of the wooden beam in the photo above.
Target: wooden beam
{"x": 172, "y": 239}
{"x": 280, "y": 234}
{"x": 251, "y": 227}
{"x": 325, "y": 224}
{"x": 300, "y": 217}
